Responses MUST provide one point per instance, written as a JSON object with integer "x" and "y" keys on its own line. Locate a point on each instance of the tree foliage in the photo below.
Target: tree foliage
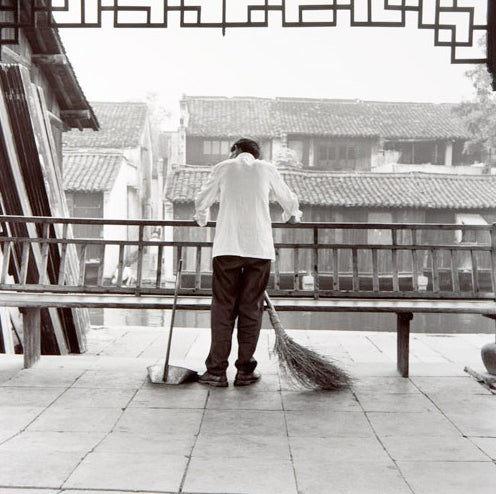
{"x": 479, "y": 115}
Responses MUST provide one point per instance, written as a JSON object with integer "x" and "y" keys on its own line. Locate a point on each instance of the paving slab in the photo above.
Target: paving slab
{"x": 337, "y": 449}
{"x": 28, "y": 491}
{"x": 376, "y": 437}
{"x": 330, "y": 424}
{"x": 432, "y": 448}
{"x": 252, "y": 447}
{"x": 45, "y": 377}
{"x": 449, "y": 477}
{"x": 75, "y": 398}
{"x": 411, "y": 424}
{"x": 248, "y": 398}
{"x": 147, "y": 443}
{"x": 29, "y": 396}
{"x": 30, "y": 469}
{"x": 251, "y": 422}
{"x": 48, "y": 442}
{"x": 349, "y": 477}
{"x": 320, "y": 401}
{"x": 238, "y": 476}
{"x": 108, "y": 378}
{"x": 487, "y": 445}
{"x": 408, "y": 402}
{"x": 453, "y": 386}
{"x": 170, "y": 396}
{"x": 17, "y": 418}
{"x": 76, "y": 420}
{"x": 160, "y": 420}
{"x": 128, "y": 471}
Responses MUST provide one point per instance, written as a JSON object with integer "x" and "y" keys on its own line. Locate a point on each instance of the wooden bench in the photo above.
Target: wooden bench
{"x": 339, "y": 288}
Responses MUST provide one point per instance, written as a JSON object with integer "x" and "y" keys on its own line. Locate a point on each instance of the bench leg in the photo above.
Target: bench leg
{"x": 32, "y": 336}
{"x": 403, "y": 341}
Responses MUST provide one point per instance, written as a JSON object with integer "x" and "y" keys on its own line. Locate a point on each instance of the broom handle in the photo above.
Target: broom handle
{"x": 176, "y": 290}
{"x": 269, "y": 302}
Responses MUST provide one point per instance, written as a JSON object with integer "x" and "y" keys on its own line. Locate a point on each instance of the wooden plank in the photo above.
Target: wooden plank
{"x": 198, "y": 268}
{"x": 160, "y": 255}
{"x": 316, "y": 281}
{"x": 455, "y": 281}
{"x": 335, "y": 268}
{"x": 101, "y": 265}
{"x": 6, "y": 327}
{"x": 296, "y": 268}
{"x": 435, "y": 270}
{"x": 375, "y": 270}
{"x": 24, "y": 262}
{"x": 63, "y": 257}
{"x": 139, "y": 264}
{"x": 415, "y": 267}
{"x": 394, "y": 256}
{"x": 403, "y": 342}
{"x": 493, "y": 254}
{"x": 120, "y": 265}
{"x": 475, "y": 272}
{"x": 82, "y": 265}
{"x": 194, "y": 302}
{"x": 44, "y": 256}
{"x": 7, "y": 249}
{"x": 32, "y": 336}
{"x": 277, "y": 275}
{"x": 355, "y": 282}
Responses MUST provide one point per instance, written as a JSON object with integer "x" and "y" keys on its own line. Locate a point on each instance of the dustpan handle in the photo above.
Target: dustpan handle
{"x": 176, "y": 291}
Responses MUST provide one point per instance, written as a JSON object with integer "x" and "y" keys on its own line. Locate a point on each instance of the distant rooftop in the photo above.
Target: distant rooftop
{"x": 91, "y": 172}
{"x": 121, "y": 127}
{"x": 340, "y": 189}
{"x": 264, "y": 117}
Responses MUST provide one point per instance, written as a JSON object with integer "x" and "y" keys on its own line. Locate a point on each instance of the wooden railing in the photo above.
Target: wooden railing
{"x": 316, "y": 260}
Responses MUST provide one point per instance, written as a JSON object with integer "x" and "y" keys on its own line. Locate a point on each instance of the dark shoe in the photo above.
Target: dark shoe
{"x": 245, "y": 379}
{"x": 213, "y": 380}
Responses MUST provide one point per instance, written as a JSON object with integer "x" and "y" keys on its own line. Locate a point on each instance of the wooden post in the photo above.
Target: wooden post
{"x": 31, "y": 336}
{"x": 403, "y": 342}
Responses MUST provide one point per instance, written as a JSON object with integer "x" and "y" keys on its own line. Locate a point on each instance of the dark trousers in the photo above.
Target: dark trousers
{"x": 238, "y": 285}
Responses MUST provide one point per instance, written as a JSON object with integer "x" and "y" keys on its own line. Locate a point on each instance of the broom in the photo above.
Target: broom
{"x": 302, "y": 365}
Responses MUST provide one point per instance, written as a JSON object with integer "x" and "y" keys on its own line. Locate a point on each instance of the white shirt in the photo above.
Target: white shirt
{"x": 244, "y": 186}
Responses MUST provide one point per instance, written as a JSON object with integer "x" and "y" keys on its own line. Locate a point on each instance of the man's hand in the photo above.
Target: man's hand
{"x": 292, "y": 220}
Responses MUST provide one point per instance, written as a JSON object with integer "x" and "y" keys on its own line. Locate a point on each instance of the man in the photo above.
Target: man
{"x": 243, "y": 249}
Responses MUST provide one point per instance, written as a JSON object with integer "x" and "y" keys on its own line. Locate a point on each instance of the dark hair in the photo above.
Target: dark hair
{"x": 247, "y": 146}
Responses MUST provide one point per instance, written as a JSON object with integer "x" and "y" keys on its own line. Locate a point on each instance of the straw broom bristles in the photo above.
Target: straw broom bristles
{"x": 302, "y": 365}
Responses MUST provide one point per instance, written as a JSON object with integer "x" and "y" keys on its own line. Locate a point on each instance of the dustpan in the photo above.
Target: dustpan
{"x": 172, "y": 374}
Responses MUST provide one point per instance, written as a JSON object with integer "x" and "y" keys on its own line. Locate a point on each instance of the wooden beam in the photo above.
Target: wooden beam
{"x": 491, "y": 40}
{"x": 32, "y": 336}
{"x": 49, "y": 59}
{"x": 403, "y": 342}
{"x": 78, "y": 114}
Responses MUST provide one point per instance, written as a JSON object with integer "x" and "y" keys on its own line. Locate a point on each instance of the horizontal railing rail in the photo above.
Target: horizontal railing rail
{"x": 316, "y": 260}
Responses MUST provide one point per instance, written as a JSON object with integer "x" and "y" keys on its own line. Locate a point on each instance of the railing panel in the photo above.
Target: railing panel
{"x": 401, "y": 260}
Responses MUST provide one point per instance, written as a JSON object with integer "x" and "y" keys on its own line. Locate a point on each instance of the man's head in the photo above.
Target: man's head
{"x": 245, "y": 145}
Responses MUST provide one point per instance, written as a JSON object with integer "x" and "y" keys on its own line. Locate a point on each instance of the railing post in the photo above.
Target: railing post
{"x": 316, "y": 284}
{"x": 403, "y": 342}
{"x": 493, "y": 257}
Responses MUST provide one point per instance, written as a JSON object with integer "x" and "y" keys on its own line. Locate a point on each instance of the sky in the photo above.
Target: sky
{"x": 390, "y": 64}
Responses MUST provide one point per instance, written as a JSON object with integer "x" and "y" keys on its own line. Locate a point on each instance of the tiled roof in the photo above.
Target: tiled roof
{"x": 405, "y": 190}
{"x": 121, "y": 127}
{"x": 90, "y": 172}
{"x": 232, "y": 117}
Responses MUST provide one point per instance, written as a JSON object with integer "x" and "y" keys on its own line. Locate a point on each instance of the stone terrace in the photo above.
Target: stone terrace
{"x": 93, "y": 422}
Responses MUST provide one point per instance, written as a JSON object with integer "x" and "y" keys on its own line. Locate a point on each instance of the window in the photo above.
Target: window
{"x": 219, "y": 149}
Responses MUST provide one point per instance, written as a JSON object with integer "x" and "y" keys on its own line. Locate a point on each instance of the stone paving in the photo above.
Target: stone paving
{"x": 93, "y": 423}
